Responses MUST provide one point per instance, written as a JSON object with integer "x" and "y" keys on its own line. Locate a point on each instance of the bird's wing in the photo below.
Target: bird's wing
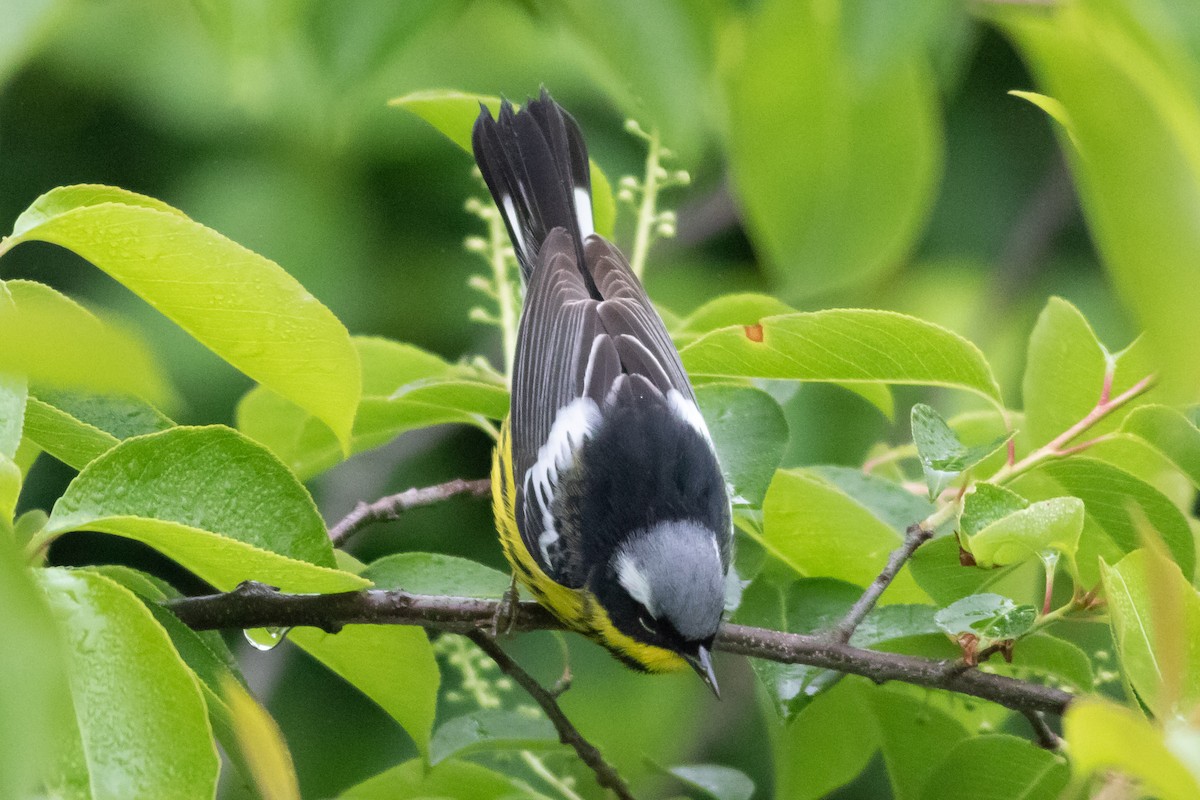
{"x": 572, "y": 350}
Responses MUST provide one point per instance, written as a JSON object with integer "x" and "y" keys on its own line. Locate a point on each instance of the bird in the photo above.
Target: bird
{"x": 608, "y": 494}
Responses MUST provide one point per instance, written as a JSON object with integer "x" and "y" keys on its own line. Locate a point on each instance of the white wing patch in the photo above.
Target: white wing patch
{"x": 574, "y": 424}
{"x": 583, "y": 212}
{"x": 686, "y": 410}
{"x": 514, "y": 222}
{"x": 630, "y": 575}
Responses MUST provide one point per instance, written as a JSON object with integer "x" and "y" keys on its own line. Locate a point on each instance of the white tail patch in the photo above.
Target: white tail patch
{"x": 583, "y": 212}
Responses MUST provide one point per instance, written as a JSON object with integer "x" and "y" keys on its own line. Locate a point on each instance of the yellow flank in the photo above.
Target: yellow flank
{"x": 577, "y": 608}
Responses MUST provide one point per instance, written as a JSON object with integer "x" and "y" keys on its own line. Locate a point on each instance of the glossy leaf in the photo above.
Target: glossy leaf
{"x": 1171, "y": 433}
{"x": 728, "y": 310}
{"x": 242, "y": 306}
{"x": 1155, "y": 617}
{"x": 989, "y": 617}
{"x": 75, "y": 427}
{"x": 715, "y": 781}
{"x": 818, "y": 530}
{"x": 1116, "y": 503}
{"x": 750, "y": 433}
{"x": 489, "y": 730}
{"x": 1054, "y": 524}
{"x": 1106, "y": 736}
{"x": 846, "y": 198}
{"x": 938, "y": 570}
{"x": 210, "y": 499}
{"x": 1134, "y": 153}
{"x": 989, "y": 503}
{"x": 404, "y": 388}
{"x": 1064, "y": 373}
{"x": 34, "y": 701}
{"x": 943, "y": 457}
{"x": 844, "y": 346}
{"x": 415, "y": 780}
{"x": 998, "y": 767}
{"x": 51, "y": 340}
{"x": 13, "y": 397}
{"x": 393, "y": 665}
{"x": 437, "y": 574}
{"x": 156, "y": 742}
{"x": 453, "y": 114}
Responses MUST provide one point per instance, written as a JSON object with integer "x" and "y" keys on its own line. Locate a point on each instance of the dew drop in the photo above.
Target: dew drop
{"x": 265, "y": 638}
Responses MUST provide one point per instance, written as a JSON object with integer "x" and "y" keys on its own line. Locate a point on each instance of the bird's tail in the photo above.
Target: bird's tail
{"x": 535, "y": 164}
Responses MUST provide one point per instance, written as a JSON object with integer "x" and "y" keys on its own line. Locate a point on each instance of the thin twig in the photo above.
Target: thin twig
{"x": 1046, "y": 737}
{"x": 253, "y": 605}
{"x": 606, "y": 775}
{"x": 392, "y": 506}
{"x": 1057, "y": 447}
{"x": 914, "y": 537}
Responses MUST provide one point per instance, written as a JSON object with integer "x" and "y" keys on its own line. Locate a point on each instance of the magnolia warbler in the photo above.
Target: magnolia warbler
{"x": 610, "y": 502}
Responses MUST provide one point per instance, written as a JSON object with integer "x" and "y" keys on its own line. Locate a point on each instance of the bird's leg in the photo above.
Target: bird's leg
{"x": 507, "y": 610}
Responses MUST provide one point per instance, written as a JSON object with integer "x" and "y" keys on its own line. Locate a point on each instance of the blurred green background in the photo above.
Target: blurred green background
{"x": 860, "y": 154}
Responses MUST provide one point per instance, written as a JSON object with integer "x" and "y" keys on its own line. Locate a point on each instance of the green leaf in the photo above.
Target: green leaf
{"x": 750, "y": 434}
{"x": 989, "y": 617}
{"x": 844, "y": 346}
{"x": 52, "y": 340}
{"x": 1169, "y": 432}
{"x": 453, "y": 114}
{"x": 998, "y": 767}
{"x": 155, "y": 742}
{"x": 728, "y": 310}
{"x": 847, "y": 197}
{"x": 887, "y": 500}
{"x": 1134, "y": 154}
{"x": 34, "y": 703}
{"x": 489, "y": 730}
{"x": 809, "y": 605}
{"x": 1155, "y": 617}
{"x": 242, "y": 306}
{"x": 913, "y": 735}
{"x": 715, "y": 781}
{"x": 987, "y": 504}
{"x": 818, "y": 530}
{"x": 75, "y": 427}
{"x": 437, "y": 574}
{"x": 1054, "y": 524}
{"x": 802, "y": 606}
{"x": 937, "y": 569}
{"x": 404, "y": 388}
{"x": 1116, "y": 503}
{"x": 1064, "y": 374}
{"x": 943, "y": 457}
{"x": 262, "y": 743}
{"x": 826, "y": 745}
{"x": 13, "y": 397}
{"x": 414, "y": 780}
{"x": 1051, "y": 657}
{"x": 212, "y": 500}
{"x": 393, "y": 665}
{"x": 1106, "y": 736}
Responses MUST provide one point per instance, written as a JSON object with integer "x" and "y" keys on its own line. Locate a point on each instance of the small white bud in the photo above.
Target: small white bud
{"x": 475, "y": 244}
{"x": 682, "y": 177}
{"x": 473, "y": 205}
{"x": 665, "y": 230}
{"x": 628, "y": 182}
{"x": 625, "y": 196}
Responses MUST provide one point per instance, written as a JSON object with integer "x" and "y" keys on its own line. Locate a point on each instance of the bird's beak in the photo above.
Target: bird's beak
{"x": 702, "y": 663}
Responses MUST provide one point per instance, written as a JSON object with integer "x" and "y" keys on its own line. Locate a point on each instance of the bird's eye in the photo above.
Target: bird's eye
{"x": 644, "y": 623}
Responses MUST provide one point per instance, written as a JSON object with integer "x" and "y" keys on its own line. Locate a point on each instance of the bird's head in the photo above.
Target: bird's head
{"x": 665, "y": 586}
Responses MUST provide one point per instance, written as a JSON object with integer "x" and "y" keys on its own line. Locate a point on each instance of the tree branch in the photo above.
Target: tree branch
{"x": 253, "y": 605}
{"x": 392, "y": 506}
{"x": 606, "y": 775}
{"x": 914, "y": 537}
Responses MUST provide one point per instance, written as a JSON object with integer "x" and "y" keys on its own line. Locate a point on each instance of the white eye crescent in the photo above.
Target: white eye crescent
{"x": 644, "y": 624}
